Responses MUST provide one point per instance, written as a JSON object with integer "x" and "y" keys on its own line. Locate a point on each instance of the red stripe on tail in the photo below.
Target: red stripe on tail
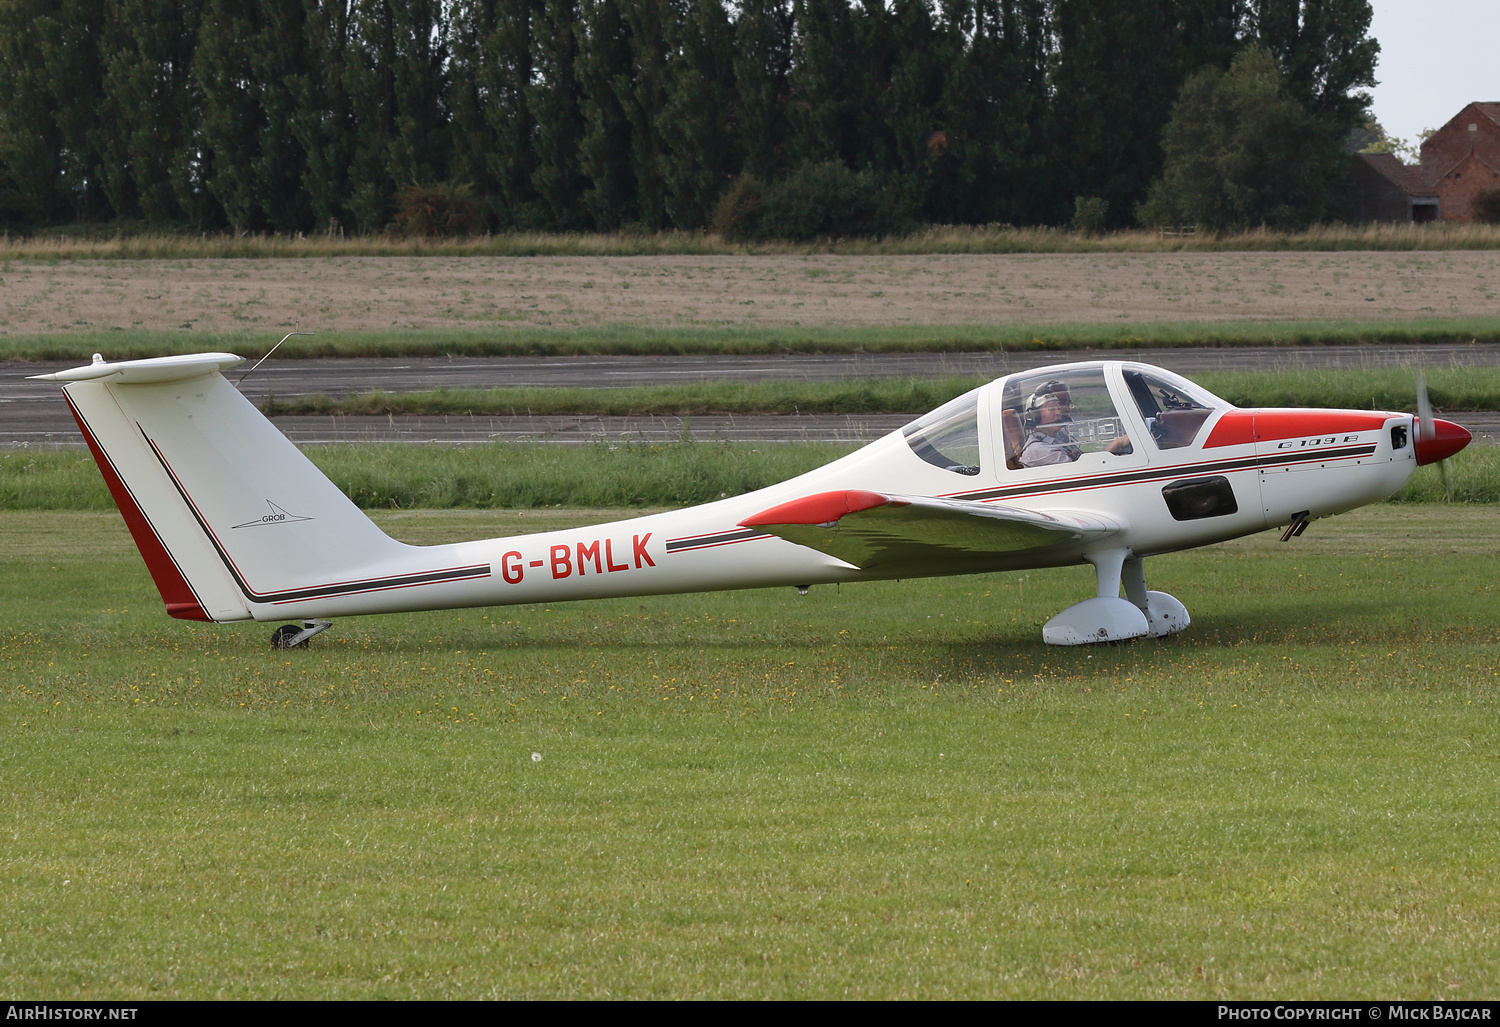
{"x": 174, "y": 589}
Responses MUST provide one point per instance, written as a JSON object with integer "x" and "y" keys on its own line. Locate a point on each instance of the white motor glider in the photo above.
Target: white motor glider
{"x": 1103, "y": 462}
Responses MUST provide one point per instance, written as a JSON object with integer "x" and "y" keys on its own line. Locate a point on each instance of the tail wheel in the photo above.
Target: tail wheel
{"x": 287, "y": 637}
{"x": 292, "y": 636}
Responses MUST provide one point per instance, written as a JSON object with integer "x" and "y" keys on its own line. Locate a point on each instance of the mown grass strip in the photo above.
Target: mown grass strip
{"x": 524, "y": 477}
{"x": 1365, "y": 389}
{"x": 632, "y": 340}
{"x": 861, "y": 396}
{"x": 91, "y": 243}
{"x": 881, "y": 791}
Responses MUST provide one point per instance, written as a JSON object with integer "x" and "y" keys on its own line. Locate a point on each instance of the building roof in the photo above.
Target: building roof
{"x": 1409, "y": 178}
{"x": 1490, "y": 109}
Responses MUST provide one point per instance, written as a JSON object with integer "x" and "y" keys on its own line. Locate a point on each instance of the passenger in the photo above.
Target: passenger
{"x": 1048, "y": 413}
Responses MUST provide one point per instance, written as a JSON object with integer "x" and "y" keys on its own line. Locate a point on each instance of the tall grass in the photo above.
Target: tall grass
{"x": 1364, "y": 389}
{"x": 1473, "y": 477}
{"x": 511, "y": 476}
{"x": 633, "y": 340}
{"x": 1378, "y": 388}
{"x": 109, "y": 244}
{"x": 37, "y": 479}
{"x": 860, "y": 396}
{"x": 492, "y": 476}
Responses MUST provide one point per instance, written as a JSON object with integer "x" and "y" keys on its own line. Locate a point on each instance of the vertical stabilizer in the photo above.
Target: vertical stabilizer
{"x": 230, "y": 517}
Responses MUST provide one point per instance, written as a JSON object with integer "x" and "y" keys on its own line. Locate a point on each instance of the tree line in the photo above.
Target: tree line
{"x": 291, "y": 115}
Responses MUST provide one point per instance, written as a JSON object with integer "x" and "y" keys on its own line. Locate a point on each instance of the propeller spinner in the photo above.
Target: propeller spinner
{"x": 1437, "y": 439}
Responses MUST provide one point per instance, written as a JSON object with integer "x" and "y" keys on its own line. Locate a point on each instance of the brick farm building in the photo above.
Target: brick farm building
{"x": 1459, "y": 161}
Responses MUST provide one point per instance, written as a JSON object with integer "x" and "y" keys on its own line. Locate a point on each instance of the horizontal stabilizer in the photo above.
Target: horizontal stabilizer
{"x": 153, "y": 369}
{"x": 873, "y": 530}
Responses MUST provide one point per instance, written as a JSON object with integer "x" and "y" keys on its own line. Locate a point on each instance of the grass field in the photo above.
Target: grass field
{"x": 890, "y": 791}
{"x": 525, "y": 477}
{"x": 458, "y": 304}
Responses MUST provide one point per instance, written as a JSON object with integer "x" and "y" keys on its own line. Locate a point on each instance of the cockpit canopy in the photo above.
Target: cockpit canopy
{"x": 1056, "y": 415}
{"x": 948, "y": 437}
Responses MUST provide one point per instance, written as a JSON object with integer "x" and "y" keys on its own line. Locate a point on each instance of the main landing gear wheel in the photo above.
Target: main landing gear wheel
{"x": 1107, "y": 617}
{"x": 294, "y": 636}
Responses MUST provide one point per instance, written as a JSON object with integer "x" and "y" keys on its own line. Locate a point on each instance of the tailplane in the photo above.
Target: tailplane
{"x": 232, "y": 520}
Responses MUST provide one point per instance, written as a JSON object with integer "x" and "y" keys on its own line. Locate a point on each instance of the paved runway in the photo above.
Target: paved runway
{"x": 33, "y": 414}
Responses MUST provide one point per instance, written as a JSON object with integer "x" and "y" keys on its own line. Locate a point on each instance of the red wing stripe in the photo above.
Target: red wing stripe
{"x": 821, "y": 508}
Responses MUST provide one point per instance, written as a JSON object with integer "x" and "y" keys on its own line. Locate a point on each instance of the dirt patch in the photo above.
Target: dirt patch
{"x": 375, "y": 293}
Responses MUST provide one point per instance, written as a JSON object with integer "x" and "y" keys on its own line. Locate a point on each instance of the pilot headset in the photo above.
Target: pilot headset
{"x": 1045, "y": 393}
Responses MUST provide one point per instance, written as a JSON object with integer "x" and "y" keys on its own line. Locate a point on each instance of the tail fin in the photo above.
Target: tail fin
{"x": 230, "y": 517}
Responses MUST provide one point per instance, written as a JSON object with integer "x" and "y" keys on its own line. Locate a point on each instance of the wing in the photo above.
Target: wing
{"x": 874, "y": 530}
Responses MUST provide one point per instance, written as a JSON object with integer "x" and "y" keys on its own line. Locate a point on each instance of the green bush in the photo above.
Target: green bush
{"x": 441, "y": 209}
{"x": 816, "y": 201}
{"x": 738, "y": 210}
{"x": 1089, "y": 214}
{"x": 1487, "y": 206}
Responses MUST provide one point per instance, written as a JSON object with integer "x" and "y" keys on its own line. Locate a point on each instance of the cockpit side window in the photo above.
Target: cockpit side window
{"x": 1057, "y": 417}
{"x": 1172, "y": 412}
{"x": 949, "y": 436}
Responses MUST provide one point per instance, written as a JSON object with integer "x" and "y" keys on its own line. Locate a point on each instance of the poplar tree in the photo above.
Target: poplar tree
{"x": 252, "y": 70}
{"x": 642, "y": 97}
{"x": 922, "y": 55}
{"x": 396, "y": 79}
{"x": 281, "y": 62}
{"x": 824, "y": 84}
{"x": 325, "y": 124}
{"x": 472, "y": 22}
{"x": 230, "y": 114}
{"x": 555, "y": 101}
{"x": 30, "y": 141}
{"x": 505, "y": 75}
{"x": 995, "y": 116}
{"x": 283, "y": 114}
{"x": 420, "y": 143}
{"x": 149, "y": 110}
{"x": 701, "y": 151}
{"x": 762, "y": 60}
{"x": 606, "y": 75}
{"x": 1116, "y": 73}
{"x": 1325, "y": 54}
{"x": 369, "y": 78}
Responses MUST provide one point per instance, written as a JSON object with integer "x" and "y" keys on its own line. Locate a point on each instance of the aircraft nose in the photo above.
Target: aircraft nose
{"x": 1445, "y": 439}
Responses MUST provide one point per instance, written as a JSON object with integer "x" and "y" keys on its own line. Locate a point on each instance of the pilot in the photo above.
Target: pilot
{"x": 1048, "y": 414}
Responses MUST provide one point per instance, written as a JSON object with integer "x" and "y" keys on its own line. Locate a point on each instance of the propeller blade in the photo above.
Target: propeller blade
{"x": 1425, "y": 429}
{"x": 1437, "y": 440}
